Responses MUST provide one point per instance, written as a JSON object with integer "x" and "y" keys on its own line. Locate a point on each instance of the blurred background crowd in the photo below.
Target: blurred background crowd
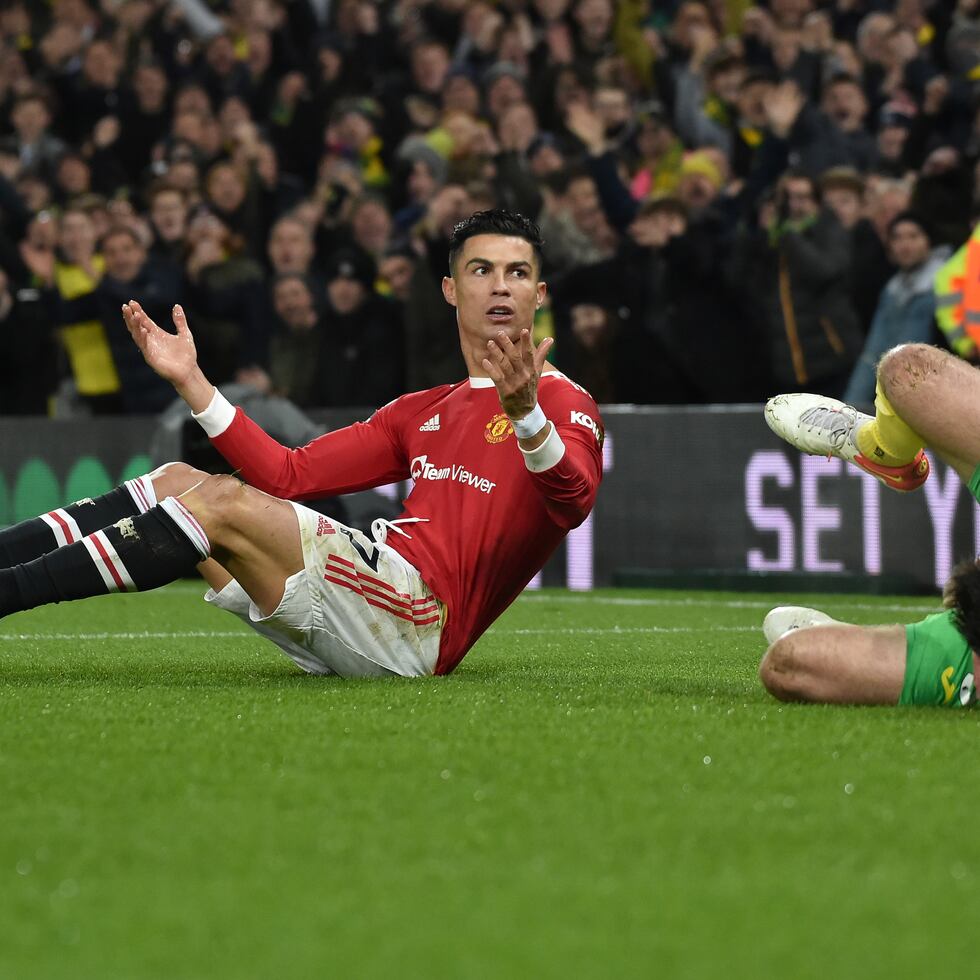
{"x": 736, "y": 199}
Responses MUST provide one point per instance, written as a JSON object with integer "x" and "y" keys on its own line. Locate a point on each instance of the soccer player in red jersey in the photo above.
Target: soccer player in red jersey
{"x": 504, "y": 464}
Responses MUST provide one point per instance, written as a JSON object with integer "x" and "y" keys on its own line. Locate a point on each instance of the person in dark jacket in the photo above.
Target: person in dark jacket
{"x": 358, "y": 325}
{"x": 793, "y": 274}
{"x": 27, "y": 351}
{"x": 294, "y": 351}
{"x": 834, "y": 136}
{"x": 128, "y": 273}
{"x": 672, "y": 333}
{"x": 843, "y": 191}
{"x": 431, "y": 351}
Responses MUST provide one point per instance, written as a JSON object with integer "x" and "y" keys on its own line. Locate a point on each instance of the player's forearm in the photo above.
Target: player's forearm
{"x": 196, "y": 390}
{"x": 568, "y": 489}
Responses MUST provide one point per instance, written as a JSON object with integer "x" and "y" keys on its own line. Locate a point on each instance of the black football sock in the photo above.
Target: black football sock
{"x": 133, "y": 555}
{"x": 40, "y": 535}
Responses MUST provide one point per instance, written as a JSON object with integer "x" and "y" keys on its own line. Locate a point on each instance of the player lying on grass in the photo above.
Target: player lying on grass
{"x": 504, "y": 464}
{"x": 925, "y": 397}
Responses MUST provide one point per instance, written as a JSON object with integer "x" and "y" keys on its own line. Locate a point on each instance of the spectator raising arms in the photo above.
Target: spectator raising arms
{"x": 244, "y": 144}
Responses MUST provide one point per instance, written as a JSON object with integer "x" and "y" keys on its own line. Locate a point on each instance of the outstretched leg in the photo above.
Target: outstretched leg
{"x": 837, "y": 664}
{"x": 254, "y": 537}
{"x": 37, "y": 536}
{"x": 925, "y": 397}
{"x": 40, "y": 535}
{"x": 925, "y": 663}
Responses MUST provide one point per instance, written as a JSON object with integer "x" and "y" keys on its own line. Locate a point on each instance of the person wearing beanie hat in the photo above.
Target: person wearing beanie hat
{"x": 842, "y": 190}
{"x": 699, "y": 180}
{"x": 418, "y": 149}
{"x": 894, "y": 124}
{"x": 462, "y": 90}
{"x": 544, "y": 155}
{"x": 504, "y": 84}
{"x": 908, "y": 302}
{"x": 425, "y": 171}
{"x": 909, "y": 216}
{"x": 352, "y": 265}
{"x": 357, "y": 324}
{"x": 701, "y": 162}
{"x": 499, "y": 69}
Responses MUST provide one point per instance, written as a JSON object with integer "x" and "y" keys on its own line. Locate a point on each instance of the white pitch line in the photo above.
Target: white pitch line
{"x": 543, "y": 631}
{"x": 603, "y": 600}
{"x": 570, "y": 631}
{"x": 620, "y": 630}
{"x": 188, "y": 634}
{"x": 585, "y": 597}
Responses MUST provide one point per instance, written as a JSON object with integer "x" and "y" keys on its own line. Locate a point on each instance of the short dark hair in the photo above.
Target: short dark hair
{"x": 842, "y": 78}
{"x": 795, "y": 173}
{"x": 913, "y": 218}
{"x": 667, "y": 204}
{"x": 496, "y": 221}
{"x": 115, "y": 231}
{"x": 962, "y": 595}
{"x": 560, "y": 180}
{"x": 722, "y": 62}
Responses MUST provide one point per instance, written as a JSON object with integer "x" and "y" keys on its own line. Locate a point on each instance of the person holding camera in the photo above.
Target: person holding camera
{"x": 793, "y": 272}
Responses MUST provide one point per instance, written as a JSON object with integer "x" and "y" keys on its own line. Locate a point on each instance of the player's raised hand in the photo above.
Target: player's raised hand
{"x": 172, "y": 356}
{"x": 516, "y": 369}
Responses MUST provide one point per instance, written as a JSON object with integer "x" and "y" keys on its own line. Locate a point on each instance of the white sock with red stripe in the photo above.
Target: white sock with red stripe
{"x": 66, "y": 525}
{"x": 143, "y": 493}
{"x": 133, "y": 555}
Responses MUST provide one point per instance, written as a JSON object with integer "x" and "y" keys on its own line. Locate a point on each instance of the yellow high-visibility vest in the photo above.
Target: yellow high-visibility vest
{"x": 957, "y": 290}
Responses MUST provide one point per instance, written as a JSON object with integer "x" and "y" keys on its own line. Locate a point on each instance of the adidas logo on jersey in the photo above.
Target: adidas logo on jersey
{"x": 432, "y": 425}
{"x": 323, "y": 526}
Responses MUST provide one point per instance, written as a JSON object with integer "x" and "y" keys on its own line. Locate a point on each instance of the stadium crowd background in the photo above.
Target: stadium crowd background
{"x": 735, "y": 199}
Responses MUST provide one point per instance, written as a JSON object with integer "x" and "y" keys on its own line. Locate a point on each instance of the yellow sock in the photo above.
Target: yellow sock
{"x": 888, "y": 439}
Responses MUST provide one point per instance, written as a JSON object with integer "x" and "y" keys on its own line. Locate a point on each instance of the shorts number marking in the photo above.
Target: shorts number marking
{"x": 369, "y": 559}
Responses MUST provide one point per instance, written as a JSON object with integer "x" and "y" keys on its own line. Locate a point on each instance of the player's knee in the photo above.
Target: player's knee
{"x": 221, "y": 490}
{"x": 783, "y": 670}
{"x": 902, "y": 369}
{"x": 173, "y": 479}
{"x": 215, "y": 503}
{"x": 220, "y": 502}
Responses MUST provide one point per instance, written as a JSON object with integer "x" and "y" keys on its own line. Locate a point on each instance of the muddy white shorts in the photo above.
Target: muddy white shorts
{"x": 358, "y": 609}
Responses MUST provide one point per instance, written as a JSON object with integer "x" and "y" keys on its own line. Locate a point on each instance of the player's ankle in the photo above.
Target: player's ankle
{"x": 868, "y": 443}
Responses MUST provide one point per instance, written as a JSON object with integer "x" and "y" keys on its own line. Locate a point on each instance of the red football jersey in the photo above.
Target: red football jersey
{"x": 491, "y": 523}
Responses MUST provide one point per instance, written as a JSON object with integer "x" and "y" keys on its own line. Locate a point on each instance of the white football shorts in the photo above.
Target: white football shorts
{"x": 358, "y": 609}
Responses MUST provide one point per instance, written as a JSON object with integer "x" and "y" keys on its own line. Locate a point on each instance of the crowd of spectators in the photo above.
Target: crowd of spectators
{"x": 735, "y": 199}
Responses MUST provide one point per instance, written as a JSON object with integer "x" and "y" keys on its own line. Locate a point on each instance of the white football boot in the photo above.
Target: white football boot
{"x": 783, "y": 619}
{"x": 822, "y": 426}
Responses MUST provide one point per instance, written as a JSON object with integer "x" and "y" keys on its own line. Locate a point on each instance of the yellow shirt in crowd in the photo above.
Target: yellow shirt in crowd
{"x": 88, "y": 350}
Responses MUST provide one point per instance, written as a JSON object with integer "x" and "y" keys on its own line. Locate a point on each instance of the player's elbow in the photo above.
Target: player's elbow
{"x": 569, "y": 516}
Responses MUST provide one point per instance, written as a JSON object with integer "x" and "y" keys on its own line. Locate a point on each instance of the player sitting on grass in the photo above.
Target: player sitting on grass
{"x": 925, "y": 397}
{"x": 504, "y": 464}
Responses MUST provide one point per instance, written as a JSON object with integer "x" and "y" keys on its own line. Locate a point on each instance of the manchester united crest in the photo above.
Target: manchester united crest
{"x": 498, "y": 429}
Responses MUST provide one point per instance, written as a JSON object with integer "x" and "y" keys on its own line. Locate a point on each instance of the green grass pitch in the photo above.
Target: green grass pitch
{"x": 601, "y": 790}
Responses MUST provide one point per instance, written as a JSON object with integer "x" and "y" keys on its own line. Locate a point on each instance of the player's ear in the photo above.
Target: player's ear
{"x": 542, "y": 292}
{"x": 449, "y": 289}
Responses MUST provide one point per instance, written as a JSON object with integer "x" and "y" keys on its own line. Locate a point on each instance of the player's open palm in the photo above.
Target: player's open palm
{"x": 515, "y": 369}
{"x": 172, "y": 355}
